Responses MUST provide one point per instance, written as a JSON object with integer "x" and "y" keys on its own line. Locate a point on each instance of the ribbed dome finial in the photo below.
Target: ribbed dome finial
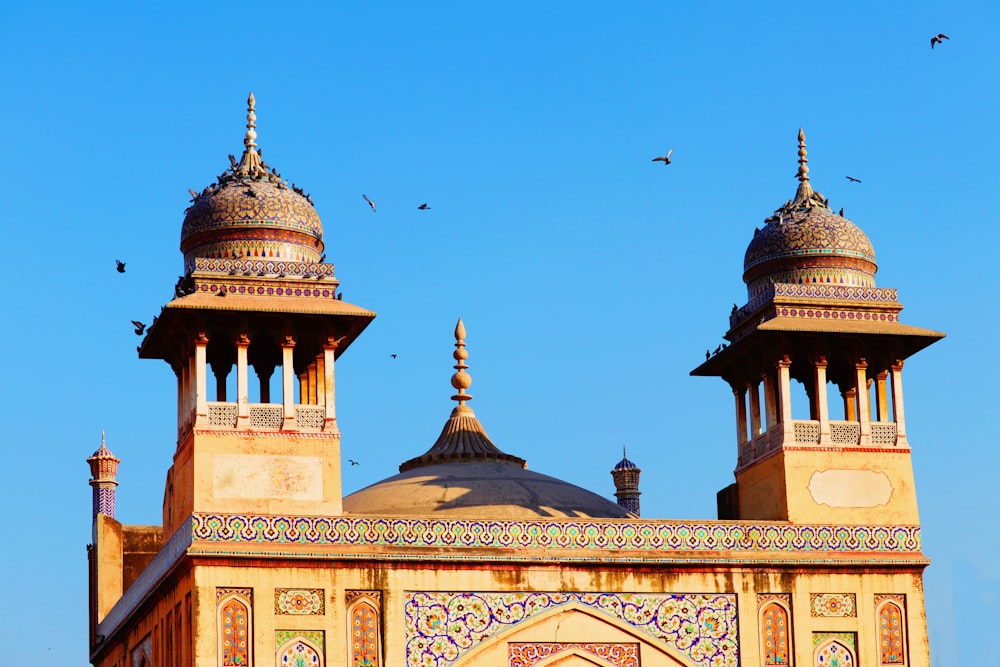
{"x": 251, "y": 163}
{"x": 803, "y": 174}
{"x": 461, "y": 380}
{"x": 463, "y": 438}
{"x": 250, "y": 140}
{"x": 805, "y": 189}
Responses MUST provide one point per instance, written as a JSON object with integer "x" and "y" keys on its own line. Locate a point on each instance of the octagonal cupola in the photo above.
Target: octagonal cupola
{"x": 251, "y": 212}
{"x": 805, "y": 242}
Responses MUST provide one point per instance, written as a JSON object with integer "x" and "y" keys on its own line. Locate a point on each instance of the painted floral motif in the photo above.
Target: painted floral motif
{"x": 364, "y": 635}
{"x": 653, "y": 538}
{"x": 235, "y": 649}
{"x": 300, "y": 602}
{"x": 833, "y": 604}
{"x": 775, "y": 631}
{"x": 527, "y": 654}
{"x": 299, "y": 654}
{"x": 834, "y": 654}
{"x": 891, "y": 634}
{"x": 440, "y": 627}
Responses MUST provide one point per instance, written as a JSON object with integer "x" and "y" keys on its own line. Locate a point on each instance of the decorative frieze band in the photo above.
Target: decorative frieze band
{"x": 650, "y": 537}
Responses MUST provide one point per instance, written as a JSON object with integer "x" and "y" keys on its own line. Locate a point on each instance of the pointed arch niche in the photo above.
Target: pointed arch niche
{"x": 890, "y": 620}
{"x": 299, "y": 648}
{"x": 364, "y": 641}
{"x": 775, "y": 623}
{"x": 575, "y": 635}
{"x": 834, "y": 649}
{"x": 234, "y": 626}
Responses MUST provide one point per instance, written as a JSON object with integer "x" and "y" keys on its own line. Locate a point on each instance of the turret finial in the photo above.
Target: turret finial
{"x": 803, "y": 174}
{"x": 804, "y": 193}
{"x": 251, "y": 165}
{"x": 250, "y": 140}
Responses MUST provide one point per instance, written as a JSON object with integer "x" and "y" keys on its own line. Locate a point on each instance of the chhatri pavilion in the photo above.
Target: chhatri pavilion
{"x": 466, "y": 558}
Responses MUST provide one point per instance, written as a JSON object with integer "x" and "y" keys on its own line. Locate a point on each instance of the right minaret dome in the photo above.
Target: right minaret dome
{"x": 814, "y": 315}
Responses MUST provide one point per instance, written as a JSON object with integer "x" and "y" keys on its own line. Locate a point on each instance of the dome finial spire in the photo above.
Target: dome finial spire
{"x": 803, "y": 174}
{"x": 804, "y": 191}
{"x": 251, "y": 165}
{"x": 460, "y": 380}
{"x": 250, "y": 140}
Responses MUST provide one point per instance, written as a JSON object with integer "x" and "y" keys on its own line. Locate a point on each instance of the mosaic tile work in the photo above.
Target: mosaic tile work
{"x": 236, "y": 216}
{"x": 364, "y": 641}
{"x": 837, "y": 314}
{"x": 314, "y": 636}
{"x": 834, "y": 654}
{"x": 374, "y": 596}
{"x": 441, "y": 627}
{"x": 234, "y": 621}
{"x": 299, "y": 601}
{"x": 299, "y": 648}
{"x": 650, "y": 538}
{"x": 882, "y": 295}
{"x": 848, "y": 639}
{"x": 809, "y": 232}
{"x": 833, "y": 604}
{"x": 526, "y": 655}
{"x": 774, "y": 629}
{"x": 892, "y": 650}
{"x": 258, "y": 266}
{"x": 262, "y": 290}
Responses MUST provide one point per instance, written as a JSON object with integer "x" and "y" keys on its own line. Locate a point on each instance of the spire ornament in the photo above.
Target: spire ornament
{"x": 463, "y": 438}
{"x": 460, "y": 380}
{"x": 251, "y": 165}
{"x": 804, "y": 193}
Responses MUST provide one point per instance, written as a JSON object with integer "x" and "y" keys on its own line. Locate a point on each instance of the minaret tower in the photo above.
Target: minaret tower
{"x": 256, "y": 296}
{"x": 103, "y": 469}
{"x": 814, "y": 315}
{"x": 626, "y": 476}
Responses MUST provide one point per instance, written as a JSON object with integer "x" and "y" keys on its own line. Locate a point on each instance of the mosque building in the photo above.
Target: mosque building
{"x": 466, "y": 558}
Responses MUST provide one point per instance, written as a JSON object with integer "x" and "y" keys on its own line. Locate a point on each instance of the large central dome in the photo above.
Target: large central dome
{"x": 250, "y": 212}
{"x": 464, "y": 474}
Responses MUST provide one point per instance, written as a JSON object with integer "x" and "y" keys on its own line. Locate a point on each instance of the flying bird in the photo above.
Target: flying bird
{"x": 936, "y": 39}
{"x": 393, "y": 356}
{"x": 139, "y": 327}
{"x": 665, "y": 159}
{"x": 120, "y": 265}
{"x": 370, "y": 202}
{"x": 852, "y": 179}
{"x": 353, "y": 462}
{"x": 423, "y": 207}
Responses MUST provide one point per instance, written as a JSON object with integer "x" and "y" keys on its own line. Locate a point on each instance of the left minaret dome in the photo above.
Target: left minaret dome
{"x": 250, "y": 212}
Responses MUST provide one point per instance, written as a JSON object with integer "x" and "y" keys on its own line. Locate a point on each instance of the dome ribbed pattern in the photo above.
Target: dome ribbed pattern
{"x": 463, "y": 438}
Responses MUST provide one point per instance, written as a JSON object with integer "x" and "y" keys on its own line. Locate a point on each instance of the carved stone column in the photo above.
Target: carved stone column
{"x": 822, "y": 404}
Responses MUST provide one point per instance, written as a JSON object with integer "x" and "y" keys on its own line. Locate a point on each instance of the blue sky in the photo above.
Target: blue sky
{"x": 590, "y": 279}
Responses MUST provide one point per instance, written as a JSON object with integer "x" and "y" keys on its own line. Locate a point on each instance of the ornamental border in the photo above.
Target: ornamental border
{"x": 598, "y": 535}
